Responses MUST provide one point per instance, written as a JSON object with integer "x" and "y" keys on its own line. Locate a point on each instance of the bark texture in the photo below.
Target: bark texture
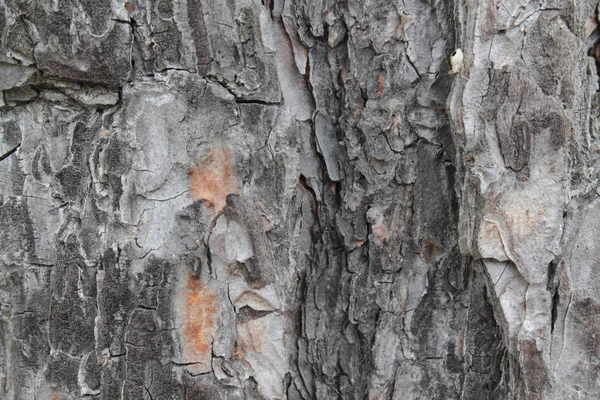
{"x": 293, "y": 199}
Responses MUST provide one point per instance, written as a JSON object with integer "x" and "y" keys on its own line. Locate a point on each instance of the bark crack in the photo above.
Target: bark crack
{"x": 10, "y": 152}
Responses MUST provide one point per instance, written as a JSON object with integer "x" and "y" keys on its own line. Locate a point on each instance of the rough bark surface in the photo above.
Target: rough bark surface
{"x": 293, "y": 199}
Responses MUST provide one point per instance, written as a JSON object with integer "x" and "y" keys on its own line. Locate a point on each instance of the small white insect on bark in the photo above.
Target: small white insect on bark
{"x": 456, "y": 62}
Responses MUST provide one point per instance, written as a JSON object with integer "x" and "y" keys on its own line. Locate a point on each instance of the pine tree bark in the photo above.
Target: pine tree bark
{"x": 294, "y": 199}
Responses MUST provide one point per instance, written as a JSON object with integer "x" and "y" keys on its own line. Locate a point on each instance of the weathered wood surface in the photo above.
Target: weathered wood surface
{"x": 294, "y": 200}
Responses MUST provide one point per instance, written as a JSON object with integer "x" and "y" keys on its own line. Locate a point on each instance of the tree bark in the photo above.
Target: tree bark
{"x": 294, "y": 199}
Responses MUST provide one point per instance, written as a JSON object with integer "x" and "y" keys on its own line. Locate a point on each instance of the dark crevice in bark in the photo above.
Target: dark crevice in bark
{"x": 175, "y": 69}
{"x": 10, "y": 152}
{"x": 253, "y": 101}
{"x": 553, "y": 286}
{"x": 209, "y": 262}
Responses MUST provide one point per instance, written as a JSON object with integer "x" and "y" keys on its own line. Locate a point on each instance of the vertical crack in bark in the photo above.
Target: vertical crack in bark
{"x": 553, "y": 286}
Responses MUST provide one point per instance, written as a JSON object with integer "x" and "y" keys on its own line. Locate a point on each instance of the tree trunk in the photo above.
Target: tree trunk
{"x": 295, "y": 200}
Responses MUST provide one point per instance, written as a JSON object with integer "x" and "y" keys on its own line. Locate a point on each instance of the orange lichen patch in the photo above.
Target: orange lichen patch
{"x": 238, "y": 352}
{"x": 490, "y": 230}
{"x": 129, "y": 7}
{"x": 400, "y": 28}
{"x": 103, "y": 133}
{"x": 266, "y": 223}
{"x": 200, "y": 315}
{"x": 251, "y": 335}
{"x": 526, "y": 224}
{"x": 380, "y": 230}
{"x": 591, "y": 23}
{"x": 358, "y": 243}
{"x": 378, "y": 227}
{"x": 56, "y": 396}
{"x": 214, "y": 178}
{"x": 429, "y": 251}
{"x": 380, "y": 85}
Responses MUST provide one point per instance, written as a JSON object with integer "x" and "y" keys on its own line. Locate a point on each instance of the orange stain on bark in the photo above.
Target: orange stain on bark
{"x": 380, "y": 85}
{"x": 251, "y": 336}
{"x": 56, "y": 396}
{"x": 202, "y": 307}
{"x": 214, "y": 178}
{"x": 381, "y": 231}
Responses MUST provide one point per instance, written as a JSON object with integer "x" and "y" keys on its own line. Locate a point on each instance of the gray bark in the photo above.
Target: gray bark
{"x": 294, "y": 199}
